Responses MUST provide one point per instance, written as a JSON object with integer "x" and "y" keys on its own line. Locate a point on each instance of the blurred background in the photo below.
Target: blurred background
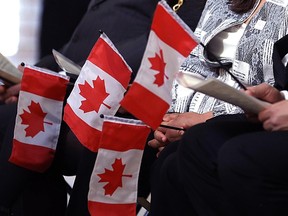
{"x": 30, "y": 29}
{"x": 19, "y": 34}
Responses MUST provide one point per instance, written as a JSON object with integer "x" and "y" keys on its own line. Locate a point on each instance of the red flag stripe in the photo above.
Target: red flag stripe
{"x": 49, "y": 86}
{"x": 123, "y": 136}
{"x": 33, "y": 157}
{"x": 104, "y": 209}
{"x": 143, "y": 108}
{"x": 90, "y": 138}
{"x": 170, "y": 32}
{"x": 108, "y": 60}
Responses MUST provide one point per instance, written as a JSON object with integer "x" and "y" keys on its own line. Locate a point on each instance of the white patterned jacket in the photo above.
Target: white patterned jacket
{"x": 253, "y": 62}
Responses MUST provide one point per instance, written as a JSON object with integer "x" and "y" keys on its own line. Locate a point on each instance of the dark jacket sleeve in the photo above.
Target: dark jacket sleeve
{"x": 280, "y": 70}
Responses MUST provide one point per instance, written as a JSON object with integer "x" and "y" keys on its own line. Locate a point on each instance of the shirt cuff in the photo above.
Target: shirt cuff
{"x": 285, "y": 94}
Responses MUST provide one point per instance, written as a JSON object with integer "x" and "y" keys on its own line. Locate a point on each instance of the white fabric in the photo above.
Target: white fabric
{"x": 224, "y": 44}
{"x": 285, "y": 94}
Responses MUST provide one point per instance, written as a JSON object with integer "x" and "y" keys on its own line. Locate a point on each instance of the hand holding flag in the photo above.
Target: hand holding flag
{"x": 169, "y": 43}
{"x": 38, "y": 119}
{"x": 113, "y": 183}
{"x": 98, "y": 90}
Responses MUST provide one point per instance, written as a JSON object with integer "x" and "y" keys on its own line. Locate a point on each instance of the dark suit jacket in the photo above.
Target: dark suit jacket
{"x": 280, "y": 70}
{"x": 126, "y": 22}
{"x": 59, "y": 19}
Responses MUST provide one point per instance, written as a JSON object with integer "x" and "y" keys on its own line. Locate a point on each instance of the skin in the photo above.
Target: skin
{"x": 163, "y": 136}
{"x": 274, "y": 117}
{"x": 10, "y": 94}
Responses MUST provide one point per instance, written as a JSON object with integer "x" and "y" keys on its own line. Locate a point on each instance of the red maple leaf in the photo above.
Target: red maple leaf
{"x": 158, "y": 64}
{"x": 94, "y": 96}
{"x": 113, "y": 177}
{"x": 34, "y": 119}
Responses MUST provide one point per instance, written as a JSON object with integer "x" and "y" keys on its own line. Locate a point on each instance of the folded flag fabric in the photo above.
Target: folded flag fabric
{"x": 113, "y": 183}
{"x": 170, "y": 42}
{"x": 98, "y": 90}
{"x": 38, "y": 120}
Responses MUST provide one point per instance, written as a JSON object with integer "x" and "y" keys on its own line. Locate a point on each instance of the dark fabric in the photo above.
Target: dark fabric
{"x": 59, "y": 19}
{"x": 254, "y": 173}
{"x": 9, "y": 173}
{"x": 127, "y": 24}
{"x": 123, "y": 22}
{"x": 166, "y": 189}
{"x": 280, "y": 71}
{"x": 23, "y": 191}
{"x": 7, "y": 113}
{"x": 190, "y": 11}
{"x": 130, "y": 50}
{"x": 78, "y": 203}
{"x": 227, "y": 166}
{"x": 130, "y": 29}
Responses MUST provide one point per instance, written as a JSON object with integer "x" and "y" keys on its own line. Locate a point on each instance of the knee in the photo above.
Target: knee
{"x": 232, "y": 159}
{"x": 192, "y": 140}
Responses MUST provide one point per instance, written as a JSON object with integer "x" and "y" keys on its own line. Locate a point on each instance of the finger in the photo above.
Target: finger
{"x": 264, "y": 115}
{"x": 173, "y": 135}
{"x": 160, "y": 136}
{"x": 13, "y": 90}
{"x": 21, "y": 67}
{"x": 12, "y": 99}
{"x": 2, "y": 89}
{"x": 170, "y": 116}
{"x": 155, "y": 143}
{"x": 159, "y": 151}
{"x": 122, "y": 110}
{"x": 267, "y": 126}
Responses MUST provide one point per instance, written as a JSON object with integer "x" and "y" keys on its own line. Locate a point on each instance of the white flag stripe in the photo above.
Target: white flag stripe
{"x": 169, "y": 55}
{"x": 89, "y": 74}
{"x": 115, "y": 119}
{"x": 125, "y": 194}
{"x": 53, "y": 109}
{"x": 112, "y": 46}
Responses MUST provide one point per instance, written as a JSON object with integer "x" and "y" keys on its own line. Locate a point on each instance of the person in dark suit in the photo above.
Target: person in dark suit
{"x": 232, "y": 164}
{"x": 127, "y": 24}
{"x": 228, "y": 165}
{"x": 58, "y": 21}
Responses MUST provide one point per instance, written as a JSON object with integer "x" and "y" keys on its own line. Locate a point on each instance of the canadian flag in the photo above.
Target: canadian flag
{"x": 170, "y": 42}
{"x": 113, "y": 183}
{"x": 38, "y": 119}
{"x": 98, "y": 90}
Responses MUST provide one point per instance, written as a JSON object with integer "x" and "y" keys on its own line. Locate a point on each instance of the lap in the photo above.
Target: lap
{"x": 266, "y": 150}
{"x": 203, "y": 141}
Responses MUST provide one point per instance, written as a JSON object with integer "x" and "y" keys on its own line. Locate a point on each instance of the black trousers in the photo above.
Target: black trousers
{"x": 226, "y": 166}
{"x": 45, "y": 193}
{"x": 31, "y": 193}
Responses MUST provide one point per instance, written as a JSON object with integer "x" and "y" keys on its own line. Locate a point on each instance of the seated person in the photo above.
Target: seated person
{"x": 129, "y": 35}
{"x": 128, "y": 26}
{"x": 230, "y": 165}
{"x": 226, "y": 29}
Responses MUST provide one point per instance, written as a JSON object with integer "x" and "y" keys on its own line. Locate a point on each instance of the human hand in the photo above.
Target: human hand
{"x": 163, "y": 136}
{"x": 160, "y": 140}
{"x": 275, "y": 117}
{"x": 10, "y": 94}
{"x": 265, "y": 92}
